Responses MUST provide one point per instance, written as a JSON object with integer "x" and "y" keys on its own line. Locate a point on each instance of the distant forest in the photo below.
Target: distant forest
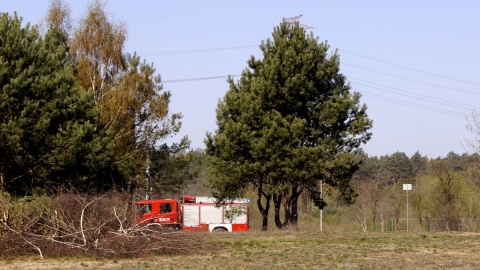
{"x": 444, "y": 193}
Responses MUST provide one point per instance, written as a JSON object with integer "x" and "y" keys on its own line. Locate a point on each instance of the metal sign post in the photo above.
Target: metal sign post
{"x": 407, "y": 187}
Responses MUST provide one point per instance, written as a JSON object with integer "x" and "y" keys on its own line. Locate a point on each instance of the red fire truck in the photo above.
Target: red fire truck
{"x": 193, "y": 213}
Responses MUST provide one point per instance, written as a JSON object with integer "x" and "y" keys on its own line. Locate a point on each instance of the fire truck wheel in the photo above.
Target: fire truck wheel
{"x": 220, "y": 229}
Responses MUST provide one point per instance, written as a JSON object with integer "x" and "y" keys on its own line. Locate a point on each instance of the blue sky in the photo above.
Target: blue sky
{"x": 416, "y": 63}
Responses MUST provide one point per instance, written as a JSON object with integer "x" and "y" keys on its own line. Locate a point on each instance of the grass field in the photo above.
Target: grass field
{"x": 298, "y": 250}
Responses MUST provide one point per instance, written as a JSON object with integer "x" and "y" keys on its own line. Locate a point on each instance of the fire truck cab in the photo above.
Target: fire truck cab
{"x": 164, "y": 212}
{"x": 194, "y": 213}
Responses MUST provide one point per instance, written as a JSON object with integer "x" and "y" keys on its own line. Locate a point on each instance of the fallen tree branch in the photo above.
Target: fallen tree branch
{"x": 25, "y": 239}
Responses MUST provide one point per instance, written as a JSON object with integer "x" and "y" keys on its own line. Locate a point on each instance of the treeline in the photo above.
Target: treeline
{"x": 82, "y": 131}
{"x": 444, "y": 193}
{"x": 78, "y": 112}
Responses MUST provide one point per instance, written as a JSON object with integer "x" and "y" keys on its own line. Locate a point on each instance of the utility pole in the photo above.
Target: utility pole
{"x": 296, "y": 19}
{"x": 321, "y": 208}
{"x": 149, "y": 184}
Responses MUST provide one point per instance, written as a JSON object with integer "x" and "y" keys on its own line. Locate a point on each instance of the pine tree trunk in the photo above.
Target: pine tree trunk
{"x": 2, "y": 182}
{"x": 265, "y": 215}
{"x": 294, "y": 215}
{"x": 277, "y": 201}
{"x": 263, "y": 210}
{"x": 291, "y": 207}
{"x": 287, "y": 210}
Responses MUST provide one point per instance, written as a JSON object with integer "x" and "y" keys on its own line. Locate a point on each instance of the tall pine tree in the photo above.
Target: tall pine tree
{"x": 290, "y": 122}
{"x": 48, "y": 137}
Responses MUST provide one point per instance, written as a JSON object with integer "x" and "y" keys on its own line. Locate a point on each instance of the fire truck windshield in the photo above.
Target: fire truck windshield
{"x": 144, "y": 209}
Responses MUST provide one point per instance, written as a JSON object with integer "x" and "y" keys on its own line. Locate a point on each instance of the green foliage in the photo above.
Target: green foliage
{"x": 173, "y": 167}
{"x": 289, "y": 122}
{"x": 419, "y": 164}
{"x": 47, "y": 133}
{"x": 444, "y": 190}
{"x": 132, "y": 104}
{"x": 54, "y": 133}
{"x": 397, "y": 167}
{"x": 24, "y": 214}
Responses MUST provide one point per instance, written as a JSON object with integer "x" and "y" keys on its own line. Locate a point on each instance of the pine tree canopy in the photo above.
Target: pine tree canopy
{"x": 289, "y": 122}
{"x": 48, "y": 137}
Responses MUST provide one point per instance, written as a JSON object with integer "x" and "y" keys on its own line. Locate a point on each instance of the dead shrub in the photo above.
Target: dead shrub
{"x": 25, "y": 214}
{"x": 72, "y": 224}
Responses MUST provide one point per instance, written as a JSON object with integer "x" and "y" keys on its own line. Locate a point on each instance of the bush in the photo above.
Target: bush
{"x": 76, "y": 224}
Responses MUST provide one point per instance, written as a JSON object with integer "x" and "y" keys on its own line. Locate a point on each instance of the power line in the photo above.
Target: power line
{"x": 424, "y": 99}
{"x": 411, "y": 104}
{"x": 196, "y": 50}
{"x": 154, "y": 53}
{"x": 416, "y": 96}
{"x": 200, "y": 79}
{"x": 409, "y": 68}
{"x": 409, "y": 94}
{"x": 372, "y": 95}
{"x": 413, "y": 95}
{"x": 410, "y": 79}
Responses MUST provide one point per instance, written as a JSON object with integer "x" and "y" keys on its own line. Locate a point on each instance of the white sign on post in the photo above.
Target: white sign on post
{"x": 407, "y": 187}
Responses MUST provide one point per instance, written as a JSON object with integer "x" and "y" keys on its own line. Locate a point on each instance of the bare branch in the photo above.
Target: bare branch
{"x": 25, "y": 239}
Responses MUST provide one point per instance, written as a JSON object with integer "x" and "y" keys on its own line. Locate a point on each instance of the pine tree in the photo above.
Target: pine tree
{"x": 47, "y": 133}
{"x": 173, "y": 167}
{"x": 287, "y": 124}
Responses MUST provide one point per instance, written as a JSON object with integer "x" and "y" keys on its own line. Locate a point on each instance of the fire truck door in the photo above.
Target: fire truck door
{"x": 167, "y": 214}
{"x": 144, "y": 213}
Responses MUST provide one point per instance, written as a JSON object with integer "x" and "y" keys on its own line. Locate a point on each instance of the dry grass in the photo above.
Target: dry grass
{"x": 341, "y": 246}
{"x": 299, "y": 250}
